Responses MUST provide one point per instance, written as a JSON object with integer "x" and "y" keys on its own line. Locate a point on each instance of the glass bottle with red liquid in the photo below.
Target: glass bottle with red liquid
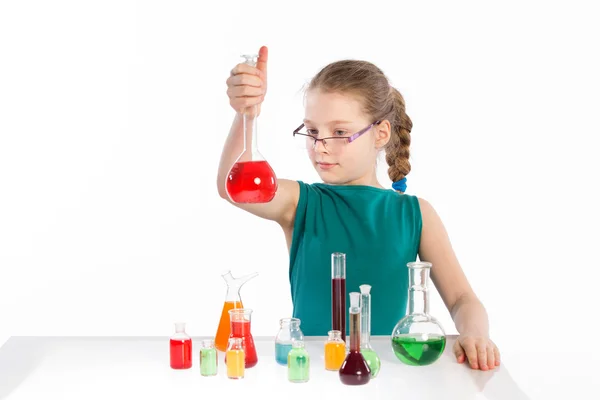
{"x": 251, "y": 178}
{"x": 240, "y": 328}
{"x": 355, "y": 370}
{"x": 180, "y": 346}
{"x": 338, "y": 293}
{"x": 233, "y": 300}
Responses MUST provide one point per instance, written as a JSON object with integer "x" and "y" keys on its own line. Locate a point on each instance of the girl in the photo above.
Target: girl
{"x": 352, "y": 113}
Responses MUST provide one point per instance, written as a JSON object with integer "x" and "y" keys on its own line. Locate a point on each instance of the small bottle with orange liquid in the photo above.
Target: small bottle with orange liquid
{"x": 335, "y": 351}
{"x": 235, "y": 359}
{"x": 232, "y": 301}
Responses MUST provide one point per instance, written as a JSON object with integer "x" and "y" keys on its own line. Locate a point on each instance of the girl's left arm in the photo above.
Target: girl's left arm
{"x": 468, "y": 313}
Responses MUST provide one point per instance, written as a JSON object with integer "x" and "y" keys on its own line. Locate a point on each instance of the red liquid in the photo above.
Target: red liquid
{"x": 355, "y": 370}
{"x": 338, "y": 305}
{"x": 251, "y": 182}
{"x": 242, "y": 330}
{"x": 181, "y": 353}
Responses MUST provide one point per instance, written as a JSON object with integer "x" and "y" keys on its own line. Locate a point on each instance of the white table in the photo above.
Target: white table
{"x": 138, "y": 368}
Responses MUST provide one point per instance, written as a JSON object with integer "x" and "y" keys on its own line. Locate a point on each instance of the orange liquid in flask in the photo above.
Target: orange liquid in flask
{"x": 223, "y": 331}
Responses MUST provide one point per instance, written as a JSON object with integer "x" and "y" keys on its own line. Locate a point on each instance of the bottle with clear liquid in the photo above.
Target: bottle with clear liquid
{"x": 298, "y": 362}
{"x": 208, "y": 358}
{"x": 418, "y": 338}
{"x": 335, "y": 351}
{"x": 180, "y": 347}
{"x": 365, "y": 331}
{"x": 232, "y": 301}
{"x": 289, "y": 332}
{"x": 251, "y": 178}
{"x": 240, "y": 328}
{"x": 355, "y": 370}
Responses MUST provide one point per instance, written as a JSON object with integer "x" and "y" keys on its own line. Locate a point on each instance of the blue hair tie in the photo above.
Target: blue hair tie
{"x": 400, "y": 185}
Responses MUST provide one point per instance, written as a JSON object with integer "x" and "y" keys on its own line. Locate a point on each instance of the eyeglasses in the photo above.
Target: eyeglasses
{"x": 333, "y": 144}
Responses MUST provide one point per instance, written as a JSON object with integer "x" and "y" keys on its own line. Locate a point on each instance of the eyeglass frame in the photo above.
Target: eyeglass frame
{"x": 350, "y": 138}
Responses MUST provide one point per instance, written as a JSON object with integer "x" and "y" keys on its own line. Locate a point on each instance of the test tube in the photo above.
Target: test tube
{"x": 338, "y": 293}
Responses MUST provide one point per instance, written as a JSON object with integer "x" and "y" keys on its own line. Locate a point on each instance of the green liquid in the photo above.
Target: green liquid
{"x": 372, "y": 360}
{"x": 298, "y": 365}
{"x": 208, "y": 362}
{"x": 412, "y": 350}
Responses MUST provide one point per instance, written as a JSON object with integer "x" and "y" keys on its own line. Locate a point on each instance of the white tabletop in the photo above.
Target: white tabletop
{"x": 138, "y": 368}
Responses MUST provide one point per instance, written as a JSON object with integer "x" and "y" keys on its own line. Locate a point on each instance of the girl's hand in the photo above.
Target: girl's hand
{"x": 247, "y": 85}
{"x": 479, "y": 351}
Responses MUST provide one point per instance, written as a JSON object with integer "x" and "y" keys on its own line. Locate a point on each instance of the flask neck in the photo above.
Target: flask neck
{"x": 233, "y": 295}
{"x": 418, "y": 296}
{"x": 250, "y": 119}
{"x": 355, "y": 331}
{"x": 365, "y": 321}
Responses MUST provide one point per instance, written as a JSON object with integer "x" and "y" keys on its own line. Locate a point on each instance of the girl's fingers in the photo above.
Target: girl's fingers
{"x": 244, "y": 91}
{"x": 482, "y": 356}
{"x": 471, "y": 352}
{"x": 491, "y": 358}
{"x": 240, "y": 103}
{"x": 459, "y": 352}
{"x": 243, "y": 68}
{"x": 496, "y": 356}
{"x": 244, "y": 79}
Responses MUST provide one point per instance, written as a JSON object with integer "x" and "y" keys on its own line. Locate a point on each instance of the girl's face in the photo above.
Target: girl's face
{"x": 340, "y": 115}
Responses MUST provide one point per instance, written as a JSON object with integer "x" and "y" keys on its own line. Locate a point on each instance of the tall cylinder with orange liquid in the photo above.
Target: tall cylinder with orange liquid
{"x": 232, "y": 301}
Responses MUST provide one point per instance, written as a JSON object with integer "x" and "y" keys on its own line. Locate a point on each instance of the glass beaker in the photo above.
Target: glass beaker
{"x": 208, "y": 358}
{"x": 298, "y": 362}
{"x": 251, "y": 178}
{"x": 240, "y": 328}
{"x": 355, "y": 370}
{"x": 180, "y": 348}
{"x": 338, "y": 293}
{"x": 232, "y": 301}
{"x": 365, "y": 331}
{"x": 289, "y": 331}
{"x": 418, "y": 338}
{"x": 235, "y": 359}
{"x": 335, "y": 351}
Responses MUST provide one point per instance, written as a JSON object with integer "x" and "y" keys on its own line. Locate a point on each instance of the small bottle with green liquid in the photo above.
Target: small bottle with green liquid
{"x": 366, "y": 349}
{"x": 298, "y": 363}
{"x": 418, "y": 339}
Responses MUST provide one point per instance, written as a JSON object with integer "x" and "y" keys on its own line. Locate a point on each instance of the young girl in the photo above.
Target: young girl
{"x": 352, "y": 113}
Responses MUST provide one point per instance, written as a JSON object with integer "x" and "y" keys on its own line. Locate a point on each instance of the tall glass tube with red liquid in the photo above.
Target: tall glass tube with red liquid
{"x": 355, "y": 370}
{"x": 338, "y": 293}
{"x": 251, "y": 178}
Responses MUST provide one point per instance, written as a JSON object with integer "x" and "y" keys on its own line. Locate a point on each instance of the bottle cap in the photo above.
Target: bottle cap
{"x": 179, "y": 327}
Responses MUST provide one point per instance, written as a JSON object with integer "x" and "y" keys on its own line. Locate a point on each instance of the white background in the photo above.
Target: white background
{"x": 113, "y": 115}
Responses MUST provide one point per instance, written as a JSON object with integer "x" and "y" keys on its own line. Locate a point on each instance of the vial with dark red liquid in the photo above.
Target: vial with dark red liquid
{"x": 355, "y": 370}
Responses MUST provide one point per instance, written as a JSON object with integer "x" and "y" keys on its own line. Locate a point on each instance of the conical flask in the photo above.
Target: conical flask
{"x": 232, "y": 301}
{"x": 418, "y": 338}
{"x": 251, "y": 178}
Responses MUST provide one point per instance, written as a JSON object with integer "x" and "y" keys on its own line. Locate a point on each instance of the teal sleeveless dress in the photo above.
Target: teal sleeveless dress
{"x": 379, "y": 230}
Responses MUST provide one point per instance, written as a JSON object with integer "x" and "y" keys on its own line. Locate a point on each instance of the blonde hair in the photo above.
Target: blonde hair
{"x": 379, "y": 100}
